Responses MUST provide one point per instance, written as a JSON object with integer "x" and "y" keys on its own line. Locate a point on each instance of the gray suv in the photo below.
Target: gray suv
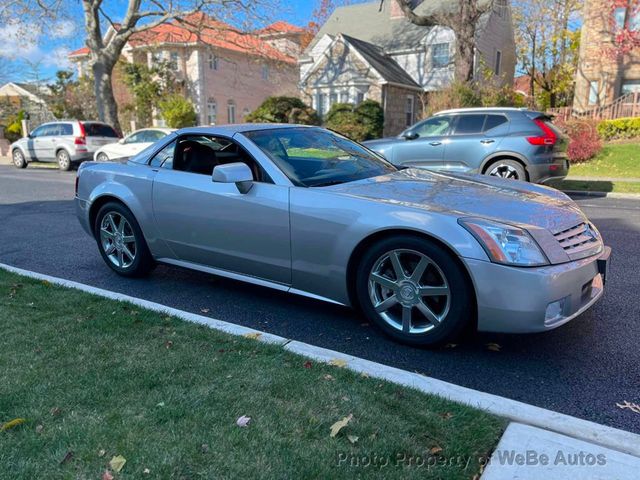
{"x": 64, "y": 142}
{"x": 504, "y": 142}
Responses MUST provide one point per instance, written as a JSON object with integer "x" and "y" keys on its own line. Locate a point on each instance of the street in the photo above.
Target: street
{"x": 582, "y": 369}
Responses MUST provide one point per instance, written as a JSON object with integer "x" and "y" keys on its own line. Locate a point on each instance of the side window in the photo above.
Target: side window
{"x": 50, "y": 130}
{"x": 164, "y": 158}
{"x": 134, "y": 138}
{"x": 435, "y": 126}
{"x": 469, "y": 124}
{"x": 494, "y": 121}
{"x": 38, "y": 132}
{"x": 65, "y": 129}
{"x": 153, "y": 135}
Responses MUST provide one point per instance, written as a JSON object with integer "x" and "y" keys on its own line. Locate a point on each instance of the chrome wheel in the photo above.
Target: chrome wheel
{"x": 409, "y": 291}
{"x": 102, "y": 157}
{"x": 118, "y": 240}
{"x": 18, "y": 159}
{"x": 504, "y": 171}
{"x": 64, "y": 161}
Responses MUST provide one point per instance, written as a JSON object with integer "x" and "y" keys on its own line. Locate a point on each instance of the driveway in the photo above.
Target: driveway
{"x": 582, "y": 369}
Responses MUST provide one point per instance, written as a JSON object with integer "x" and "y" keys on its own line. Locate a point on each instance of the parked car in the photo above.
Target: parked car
{"x": 66, "y": 142}
{"x": 305, "y": 210}
{"x": 130, "y": 145}
{"x": 510, "y": 143}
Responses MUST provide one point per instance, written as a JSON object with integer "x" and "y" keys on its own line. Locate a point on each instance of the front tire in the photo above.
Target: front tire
{"x": 18, "y": 159}
{"x": 121, "y": 242}
{"x": 414, "y": 291}
{"x": 64, "y": 160}
{"x": 102, "y": 157}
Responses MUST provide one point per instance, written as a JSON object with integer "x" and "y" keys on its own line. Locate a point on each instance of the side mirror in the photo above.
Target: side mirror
{"x": 238, "y": 173}
{"x": 410, "y": 135}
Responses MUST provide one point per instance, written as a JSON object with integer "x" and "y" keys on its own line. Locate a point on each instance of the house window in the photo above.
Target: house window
{"x": 212, "y": 111}
{"x": 619, "y": 16}
{"x": 359, "y": 98}
{"x": 630, "y": 86}
{"x": 440, "y": 56}
{"x": 231, "y": 111}
{"x": 593, "y": 92}
{"x": 156, "y": 57}
{"x": 344, "y": 97}
{"x": 498, "y": 65}
{"x": 265, "y": 72}
{"x": 409, "y": 111}
{"x": 213, "y": 62}
{"x": 634, "y": 20}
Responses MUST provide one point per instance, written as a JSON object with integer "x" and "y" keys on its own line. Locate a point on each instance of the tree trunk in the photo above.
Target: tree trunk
{"x": 105, "y": 100}
{"x": 464, "y": 64}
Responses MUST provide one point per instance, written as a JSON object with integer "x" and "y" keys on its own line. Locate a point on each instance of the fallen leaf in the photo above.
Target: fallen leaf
{"x": 146, "y": 471}
{"x": 168, "y": 344}
{"x": 446, "y": 415}
{"x": 340, "y": 424}
{"x": 435, "y": 450}
{"x": 634, "y": 407}
{"x": 67, "y": 457}
{"x": 253, "y": 335}
{"x": 345, "y": 399}
{"x": 204, "y": 448}
{"x": 102, "y": 453}
{"x": 107, "y": 475}
{"x": 328, "y": 377}
{"x": 12, "y": 424}
{"x": 55, "y": 411}
{"x": 117, "y": 463}
{"x": 364, "y": 375}
{"x": 39, "y": 428}
{"x": 204, "y": 310}
{"x": 308, "y": 364}
{"x": 243, "y": 421}
{"x": 338, "y": 362}
{"x": 494, "y": 347}
{"x": 161, "y": 404}
{"x": 352, "y": 438}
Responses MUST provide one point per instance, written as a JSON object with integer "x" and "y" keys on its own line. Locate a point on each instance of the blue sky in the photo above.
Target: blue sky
{"x": 28, "y": 54}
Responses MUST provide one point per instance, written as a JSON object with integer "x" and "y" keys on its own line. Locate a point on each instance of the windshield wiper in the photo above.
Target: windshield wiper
{"x": 328, "y": 183}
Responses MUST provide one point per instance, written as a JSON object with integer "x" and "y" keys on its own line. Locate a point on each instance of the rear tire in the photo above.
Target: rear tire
{"x": 508, "y": 169}
{"x": 414, "y": 290}
{"x": 64, "y": 160}
{"x": 121, "y": 242}
{"x": 102, "y": 157}
{"x": 18, "y": 159}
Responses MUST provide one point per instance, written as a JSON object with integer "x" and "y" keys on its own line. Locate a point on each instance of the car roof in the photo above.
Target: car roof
{"x": 483, "y": 110}
{"x": 230, "y": 130}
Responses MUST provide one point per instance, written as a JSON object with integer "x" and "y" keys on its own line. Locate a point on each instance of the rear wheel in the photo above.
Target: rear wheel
{"x": 102, "y": 157}
{"x": 414, "y": 290}
{"x": 18, "y": 159}
{"x": 64, "y": 160}
{"x": 121, "y": 242}
{"x": 510, "y": 169}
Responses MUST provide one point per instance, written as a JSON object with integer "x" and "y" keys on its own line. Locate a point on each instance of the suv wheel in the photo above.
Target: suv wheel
{"x": 18, "y": 159}
{"x": 64, "y": 160}
{"x": 414, "y": 291}
{"x": 510, "y": 169}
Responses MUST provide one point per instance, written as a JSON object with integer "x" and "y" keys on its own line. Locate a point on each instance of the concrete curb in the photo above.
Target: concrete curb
{"x": 630, "y": 196}
{"x": 615, "y": 439}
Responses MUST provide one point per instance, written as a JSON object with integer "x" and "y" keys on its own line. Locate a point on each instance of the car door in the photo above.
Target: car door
{"x": 214, "y": 224}
{"x": 474, "y": 137}
{"x": 32, "y": 142}
{"x": 45, "y": 143}
{"x": 424, "y": 144}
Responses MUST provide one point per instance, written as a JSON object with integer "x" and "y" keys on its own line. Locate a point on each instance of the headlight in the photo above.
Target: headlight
{"x": 505, "y": 243}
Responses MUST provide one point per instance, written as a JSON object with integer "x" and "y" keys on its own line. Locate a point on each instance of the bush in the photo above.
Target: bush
{"x": 13, "y": 131}
{"x": 178, "y": 112}
{"x": 620, "y": 128}
{"x": 362, "y": 122}
{"x": 584, "y": 140}
{"x": 283, "y": 110}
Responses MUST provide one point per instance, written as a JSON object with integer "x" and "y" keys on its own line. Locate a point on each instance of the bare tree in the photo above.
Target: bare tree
{"x": 463, "y": 17}
{"x": 138, "y": 16}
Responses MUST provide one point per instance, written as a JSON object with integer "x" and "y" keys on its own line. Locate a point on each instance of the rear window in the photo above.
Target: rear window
{"x": 99, "y": 130}
{"x": 494, "y": 121}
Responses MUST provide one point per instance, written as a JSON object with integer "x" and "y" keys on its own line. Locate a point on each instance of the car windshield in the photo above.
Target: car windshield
{"x": 314, "y": 157}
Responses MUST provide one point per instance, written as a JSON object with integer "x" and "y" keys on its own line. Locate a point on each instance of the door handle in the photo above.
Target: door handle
{"x": 435, "y": 144}
{"x": 487, "y": 142}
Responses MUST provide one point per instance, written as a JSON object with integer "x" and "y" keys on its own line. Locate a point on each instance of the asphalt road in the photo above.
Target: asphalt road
{"x": 582, "y": 369}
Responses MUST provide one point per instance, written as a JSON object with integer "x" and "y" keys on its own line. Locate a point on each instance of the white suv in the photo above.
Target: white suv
{"x": 64, "y": 142}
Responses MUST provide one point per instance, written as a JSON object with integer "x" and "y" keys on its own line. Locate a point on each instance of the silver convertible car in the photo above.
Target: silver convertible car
{"x": 301, "y": 209}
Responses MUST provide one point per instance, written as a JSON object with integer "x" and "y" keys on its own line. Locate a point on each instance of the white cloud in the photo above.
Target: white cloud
{"x": 19, "y": 41}
{"x": 63, "y": 29}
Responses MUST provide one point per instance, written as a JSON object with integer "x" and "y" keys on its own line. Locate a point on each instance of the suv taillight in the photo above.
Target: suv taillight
{"x": 80, "y": 141}
{"x": 548, "y": 136}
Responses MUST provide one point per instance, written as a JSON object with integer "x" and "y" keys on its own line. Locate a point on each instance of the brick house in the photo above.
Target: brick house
{"x": 371, "y": 51}
{"x": 602, "y": 77}
{"x": 227, "y": 73}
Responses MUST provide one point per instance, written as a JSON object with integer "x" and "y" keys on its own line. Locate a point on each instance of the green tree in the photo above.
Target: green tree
{"x": 362, "y": 122}
{"x": 283, "y": 110}
{"x": 59, "y": 91}
{"x": 177, "y": 111}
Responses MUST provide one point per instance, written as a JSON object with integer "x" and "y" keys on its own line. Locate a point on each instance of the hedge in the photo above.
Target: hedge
{"x": 620, "y": 128}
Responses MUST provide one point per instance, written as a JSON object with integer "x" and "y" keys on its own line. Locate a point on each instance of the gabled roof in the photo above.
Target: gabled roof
{"x": 387, "y": 67}
{"x": 200, "y": 28}
{"x": 30, "y": 90}
{"x": 280, "y": 27}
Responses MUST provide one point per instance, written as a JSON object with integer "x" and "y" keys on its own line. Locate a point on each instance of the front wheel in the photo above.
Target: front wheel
{"x": 18, "y": 159}
{"x": 102, "y": 157}
{"x": 64, "y": 160}
{"x": 509, "y": 169}
{"x": 414, "y": 290}
{"x": 120, "y": 241}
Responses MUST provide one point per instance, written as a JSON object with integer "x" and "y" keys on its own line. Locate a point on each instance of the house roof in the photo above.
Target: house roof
{"x": 373, "y": 23}
{"x": 200, "y": 28}
{"x": 387, "y": 67}
{"x": 280, "y": 27}
{"x": 35, "y": 92}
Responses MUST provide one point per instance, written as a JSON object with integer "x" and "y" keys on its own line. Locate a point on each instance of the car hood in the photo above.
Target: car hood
{"x": 466, "y": 195}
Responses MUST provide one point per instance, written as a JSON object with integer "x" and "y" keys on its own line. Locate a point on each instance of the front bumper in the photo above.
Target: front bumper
{"x": 529, "y": 300}
{"x": 545, "y": 172}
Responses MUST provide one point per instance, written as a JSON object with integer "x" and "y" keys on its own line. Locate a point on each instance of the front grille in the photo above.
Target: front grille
{"x": 578, "y": 239}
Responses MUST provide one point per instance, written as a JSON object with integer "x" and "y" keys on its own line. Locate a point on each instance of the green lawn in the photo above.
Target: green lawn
{"x": 614, "y": 161}
{"x": 95, "y": 379}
